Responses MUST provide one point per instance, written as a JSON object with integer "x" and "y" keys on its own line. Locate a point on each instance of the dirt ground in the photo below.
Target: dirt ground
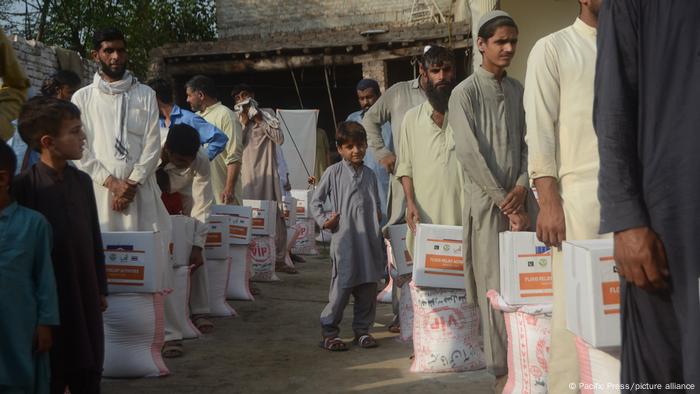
{"x": 272, "y": 347}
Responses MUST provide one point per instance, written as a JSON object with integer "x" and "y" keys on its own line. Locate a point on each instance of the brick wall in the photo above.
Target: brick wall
{"x": 375, "y": 70}
{"x": 243, "y": 17}
{"x": 40, "y": 62}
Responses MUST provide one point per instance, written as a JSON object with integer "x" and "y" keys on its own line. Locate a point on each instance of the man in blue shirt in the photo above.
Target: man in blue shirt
{"x": 171, "y": 113}
{"x": 367, "y": 94}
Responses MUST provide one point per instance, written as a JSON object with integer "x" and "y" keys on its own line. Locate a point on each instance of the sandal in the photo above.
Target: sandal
{"x": 204, "y": 325}
{"x": 333, "y": 344}
{"x": 365, "y": 341}
{"x": 394, "y": 328}
{"x": 172, "y": 349}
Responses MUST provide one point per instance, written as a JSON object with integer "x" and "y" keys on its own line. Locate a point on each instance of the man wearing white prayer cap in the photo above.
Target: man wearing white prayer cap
{"x": 487, "y": 116}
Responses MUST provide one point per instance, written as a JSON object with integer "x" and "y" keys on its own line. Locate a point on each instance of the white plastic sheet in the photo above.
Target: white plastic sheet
{"x": 299, "y": 128}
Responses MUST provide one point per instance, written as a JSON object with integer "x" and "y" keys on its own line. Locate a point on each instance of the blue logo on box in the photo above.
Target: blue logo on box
{"x": 541, "y": 249}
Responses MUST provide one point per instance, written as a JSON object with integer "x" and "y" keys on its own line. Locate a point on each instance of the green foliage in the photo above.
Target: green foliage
{"x": 146, "y": 24}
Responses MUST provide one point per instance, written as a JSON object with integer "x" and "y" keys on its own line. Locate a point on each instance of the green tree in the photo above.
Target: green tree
{"x": 146, "y": 24}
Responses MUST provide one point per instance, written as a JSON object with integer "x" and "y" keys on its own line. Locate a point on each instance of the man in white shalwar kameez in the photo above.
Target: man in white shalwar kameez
{"x": 122, "y": 149}
{"x": 563, "y": 161}
{"x": 121, "y": 153}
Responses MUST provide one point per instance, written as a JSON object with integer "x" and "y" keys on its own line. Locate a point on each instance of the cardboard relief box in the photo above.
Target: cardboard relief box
{"x": 216, "y": 246}
{"x": 135, "y": 261}
{"x": 241, "y": 223}
{"x": 592, "y": 292}
{"x": 526, "y": 269}
{"x": 438, "y": 258}
{"x": 399, "y": 250}
{"x": 303, "y": 198}
{"x": 264, "y": 216}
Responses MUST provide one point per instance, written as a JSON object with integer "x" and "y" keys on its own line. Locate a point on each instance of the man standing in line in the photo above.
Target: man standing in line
{"x": 645, "y": 114}
{"x": 563, "y": 161}
{"x": 487, "y": 116}
{"x": 429, "y": 171}
{"x": 367, "y": 94}
{"x": 120, "y": 119}
{"x": 262, "y": 138}
{"x": 391, "y": 107}
{"x": 171, "y": 114}
{"x": 226, "y": 167}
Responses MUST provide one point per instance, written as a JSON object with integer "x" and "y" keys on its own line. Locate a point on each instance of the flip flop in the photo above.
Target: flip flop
{"x": 204, "y": 325}
{"x": 172, "y": 349}
{"x": 333, "y": 344}
{"x": 365, "y": 341}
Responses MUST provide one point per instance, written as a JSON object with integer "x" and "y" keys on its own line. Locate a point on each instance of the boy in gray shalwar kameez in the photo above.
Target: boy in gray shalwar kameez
{"x": 356, "y": 246}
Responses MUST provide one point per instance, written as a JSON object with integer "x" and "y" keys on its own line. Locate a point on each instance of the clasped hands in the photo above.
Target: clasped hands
{"x": 513, "y": 206}
{"x": 123, "y": 191}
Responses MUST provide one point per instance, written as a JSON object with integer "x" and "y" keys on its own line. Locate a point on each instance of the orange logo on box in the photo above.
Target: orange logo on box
{"x": 259, "y": 222}
{"x": 124, "y": 272}
{"x": 536, "y": 281}
{"x": 611, "y": 293}
{"x": 238, "y": 231}
{"x": 301, "y": 209}
{"x": 454, "y": 263}
{"x": 213, "y": 239}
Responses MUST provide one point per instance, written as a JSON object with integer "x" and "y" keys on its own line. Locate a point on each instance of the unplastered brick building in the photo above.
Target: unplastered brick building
{"x": 297, "y": 53}
{"x": 40, "y": 61}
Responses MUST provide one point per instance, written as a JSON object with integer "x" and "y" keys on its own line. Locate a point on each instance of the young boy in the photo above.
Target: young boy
{"x": 184, "y": 169}
{"x": 28, "y": 300}
{"x": 356, "y": 246}
{"x": 64, "y": 195}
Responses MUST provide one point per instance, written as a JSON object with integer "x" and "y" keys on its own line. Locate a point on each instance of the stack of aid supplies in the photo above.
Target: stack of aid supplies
{"x": 525, "y": 300}
{"x": 137, "y": 266}
{"x": 593, "y": 312}
{"x": 446, "y": 332}
{"x": 190, "y": 288}
{"x": 262, "y": 251}
{"x": 229, "y": 271}
{"x": 306, "y": 241}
